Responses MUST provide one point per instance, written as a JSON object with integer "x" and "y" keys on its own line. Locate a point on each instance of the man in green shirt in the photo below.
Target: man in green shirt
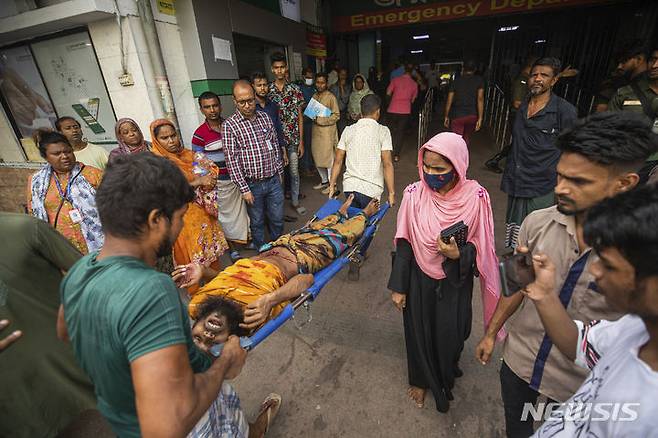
{"x": 641, "y": 96}
{"x": 42, "y": 388}
{"x": 128, "y": 327}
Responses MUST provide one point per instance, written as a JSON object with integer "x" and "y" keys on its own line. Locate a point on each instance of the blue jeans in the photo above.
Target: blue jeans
{"x": 268, "y": 202}
{"x": 293, "y": 169}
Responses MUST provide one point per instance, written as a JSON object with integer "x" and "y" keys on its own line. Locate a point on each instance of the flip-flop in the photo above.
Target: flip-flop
{"x": 271, "y": 405}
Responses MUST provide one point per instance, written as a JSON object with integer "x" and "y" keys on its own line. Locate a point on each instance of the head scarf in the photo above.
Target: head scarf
{"x": 184, "y": 159}
{"x": 424, "y": 213}
{"x": 354, "y": 105}
{"x": 123, "y": 148}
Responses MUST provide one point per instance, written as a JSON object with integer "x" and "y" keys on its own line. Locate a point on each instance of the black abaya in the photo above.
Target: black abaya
{"x": 437, "y": 318}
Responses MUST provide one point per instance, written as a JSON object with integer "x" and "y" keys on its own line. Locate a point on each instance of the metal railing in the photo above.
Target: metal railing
{"x": 496, "y": 115}
{"x": 497, "y": 109}
{"x": 425, "y": 117}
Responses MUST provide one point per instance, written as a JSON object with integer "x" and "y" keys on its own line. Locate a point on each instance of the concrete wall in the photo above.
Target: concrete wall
{"x": 309, "y": 12}
{"x": 176, "y": 64}
{"x": 130, "y": 101}
{"x": 255, "y": 22}
{"x": 213, "y": 18}
{"x": 13, "y": 188}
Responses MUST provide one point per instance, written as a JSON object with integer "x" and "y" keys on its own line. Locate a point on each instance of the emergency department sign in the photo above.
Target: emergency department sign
{"x": 390, "y": 13}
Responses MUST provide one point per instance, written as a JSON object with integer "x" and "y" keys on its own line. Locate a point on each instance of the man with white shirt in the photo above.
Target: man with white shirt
{"x": 618, "y": 398}
{"x": 87, "y": 153}
{"x": 368, "y": 150}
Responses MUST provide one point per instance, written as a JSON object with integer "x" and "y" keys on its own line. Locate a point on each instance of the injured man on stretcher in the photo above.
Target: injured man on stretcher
{"x": 242, "y": 297}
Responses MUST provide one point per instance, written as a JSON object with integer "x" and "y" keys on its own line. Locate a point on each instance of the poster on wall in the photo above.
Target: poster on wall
{"x": 24, "y": 91}
{"x": 70, "y": 71}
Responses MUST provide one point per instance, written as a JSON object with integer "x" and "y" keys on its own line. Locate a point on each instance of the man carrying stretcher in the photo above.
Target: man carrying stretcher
{"x": 264, "y": 284}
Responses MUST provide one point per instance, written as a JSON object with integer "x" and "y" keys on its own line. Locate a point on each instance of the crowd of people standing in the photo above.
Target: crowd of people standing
{"x": 581, "y": 204}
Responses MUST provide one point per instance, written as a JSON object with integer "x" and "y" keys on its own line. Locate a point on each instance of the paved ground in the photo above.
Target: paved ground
{"x": 344, "y": 374}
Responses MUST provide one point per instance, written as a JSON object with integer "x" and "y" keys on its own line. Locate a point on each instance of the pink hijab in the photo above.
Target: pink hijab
{"x": 424, "y": 213}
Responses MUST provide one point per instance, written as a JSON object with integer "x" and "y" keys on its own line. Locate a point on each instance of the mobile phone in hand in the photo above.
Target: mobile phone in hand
{"x": 516, "y": 272}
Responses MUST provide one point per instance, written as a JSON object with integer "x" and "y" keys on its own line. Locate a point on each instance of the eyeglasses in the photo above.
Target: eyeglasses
{"x": 246, "y": 102}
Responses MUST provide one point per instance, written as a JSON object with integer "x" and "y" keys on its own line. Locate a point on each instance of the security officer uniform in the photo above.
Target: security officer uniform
{"x": 640, "y": 98}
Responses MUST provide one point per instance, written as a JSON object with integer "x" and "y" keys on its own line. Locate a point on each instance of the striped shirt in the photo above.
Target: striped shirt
{"x": 252, "y": 149}
{"x": 207, "y": 140}
{"x": 618, "y": 397}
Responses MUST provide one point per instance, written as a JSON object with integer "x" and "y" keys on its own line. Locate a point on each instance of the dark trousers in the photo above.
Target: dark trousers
{"x": 306, "y": 162}
{"x": 464, "y": 126}
{"x": 268, "y": 202}
{"x": 516, "y": 392}
{"x": 397, "y": 123}
{"x": 360, "y": 201}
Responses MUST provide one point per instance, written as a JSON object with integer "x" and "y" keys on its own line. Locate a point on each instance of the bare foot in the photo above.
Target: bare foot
{"x": 343, "y": 208}
{"x": 371, "y": 208}
{"x": 417, "y": 395}
{"x": 268, "y": 410}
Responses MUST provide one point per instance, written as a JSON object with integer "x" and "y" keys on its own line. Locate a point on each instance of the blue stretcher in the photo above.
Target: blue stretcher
{"x": 321, "y": 278}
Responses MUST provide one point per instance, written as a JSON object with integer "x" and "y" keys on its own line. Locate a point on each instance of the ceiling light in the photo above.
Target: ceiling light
{"x": 421, "y": 37}
{"x": 416, "y": 51}
{"x": 540, "y": 41}
{"x": 507, "y": 28}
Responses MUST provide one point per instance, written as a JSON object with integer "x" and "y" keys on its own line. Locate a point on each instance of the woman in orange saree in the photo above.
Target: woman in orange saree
{"x": 201, "y": 240}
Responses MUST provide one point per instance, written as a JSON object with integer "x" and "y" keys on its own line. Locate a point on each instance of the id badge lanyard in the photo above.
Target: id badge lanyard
{"x": 64, "y": 196}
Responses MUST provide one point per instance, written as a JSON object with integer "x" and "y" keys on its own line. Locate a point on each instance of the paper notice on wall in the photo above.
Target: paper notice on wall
{"x": 297, "y": 61}
{"x": 291, "y": 9}
{"x": 222, "y": 49}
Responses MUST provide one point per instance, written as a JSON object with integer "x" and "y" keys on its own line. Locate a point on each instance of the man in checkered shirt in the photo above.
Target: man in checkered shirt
{"x": 255, "y": 163}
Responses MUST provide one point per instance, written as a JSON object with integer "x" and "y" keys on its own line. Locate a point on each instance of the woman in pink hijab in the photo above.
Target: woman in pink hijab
{"x": 432, "y": 281}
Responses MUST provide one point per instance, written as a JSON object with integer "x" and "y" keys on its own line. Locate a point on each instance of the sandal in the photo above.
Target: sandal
{"x": 271, "y": 406}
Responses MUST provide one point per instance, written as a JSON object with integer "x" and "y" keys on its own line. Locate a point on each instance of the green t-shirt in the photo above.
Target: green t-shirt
{"x": 118, "y": 309}
{"x": 42, "y": 388}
